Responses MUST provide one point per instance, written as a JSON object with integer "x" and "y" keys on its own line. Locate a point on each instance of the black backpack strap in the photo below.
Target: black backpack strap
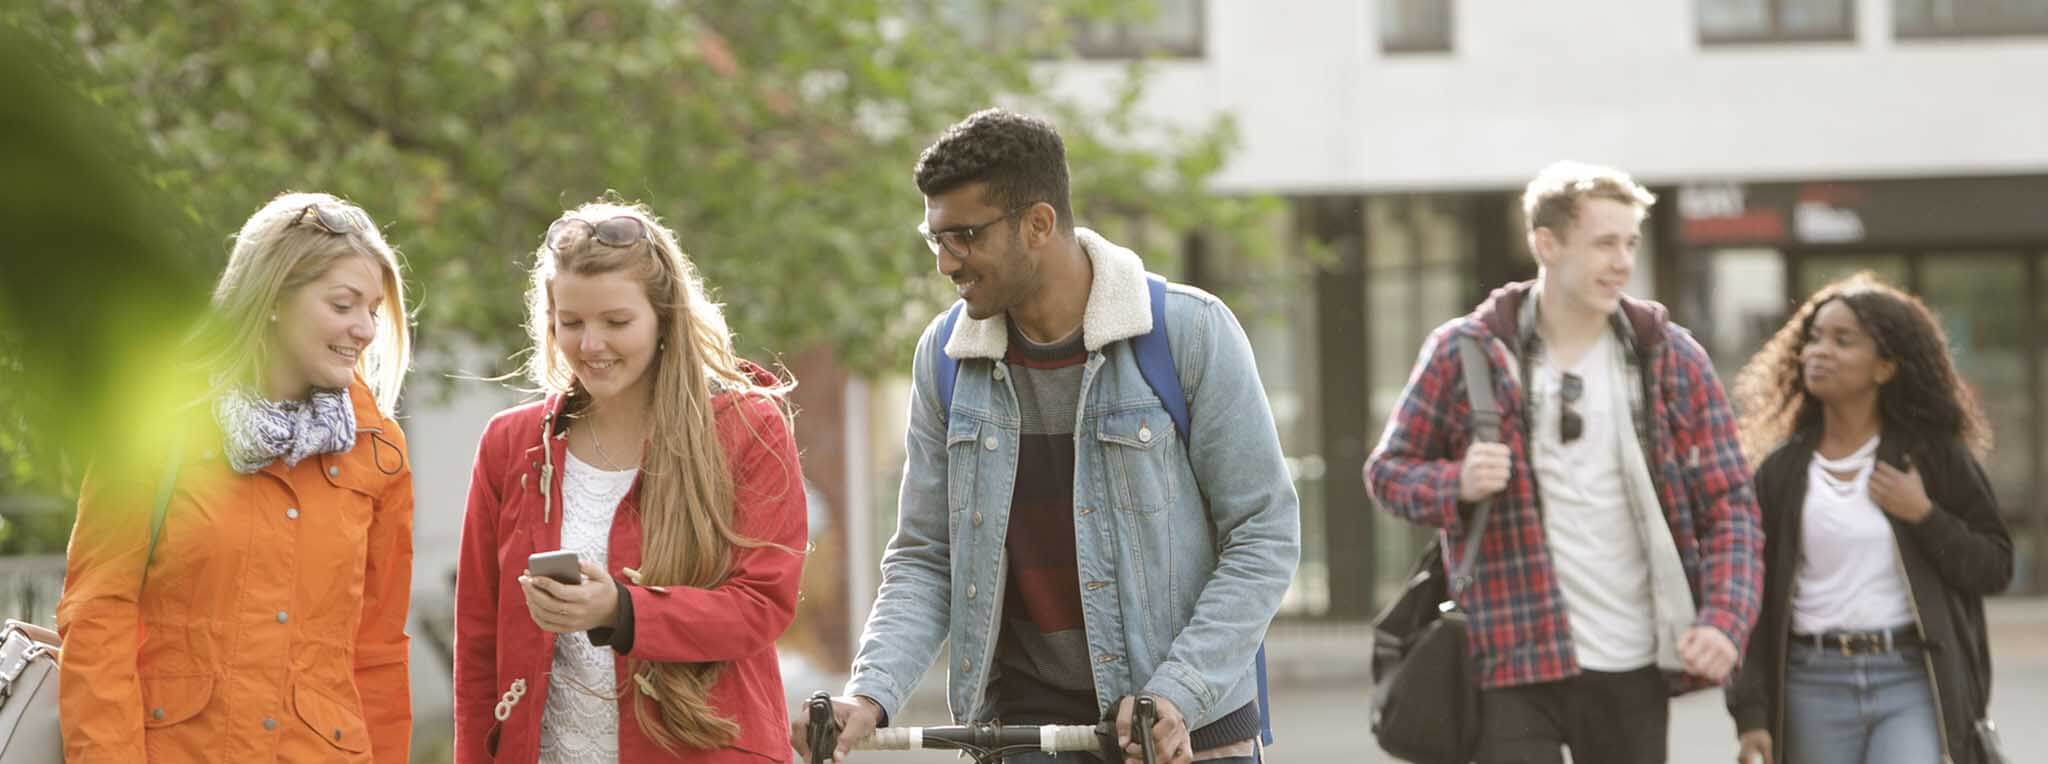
{"x": 1485, "y": 429}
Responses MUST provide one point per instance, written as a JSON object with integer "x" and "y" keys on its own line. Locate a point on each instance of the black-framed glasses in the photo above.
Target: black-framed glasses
{"x": 1569, "y": 424}
{"x": 337, "y": 219}
{"x": 621, "y": 231}
{"x": 959, "y": 242}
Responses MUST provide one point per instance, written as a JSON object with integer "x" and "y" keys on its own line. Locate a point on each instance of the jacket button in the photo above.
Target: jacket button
{"x": 1000, "y": 374}
{"x": 157, "y": 714}
{"x": 970, "y": 591}
{"x": 1106, "y": 659}
{"x": 966, "y": 665}
{"x": 269, "y": 725}
{"x": 977, "y": 519}
{"x": 1093, "y": 585}
{"x": 1087, "y": 511}
{"x": 337, "y": 735}
{"x": 1144, "y": 434}
{"x": 333, "y": 471}
{"x": 291, "y": 514}
{"x": 989, "y": 442}
{"x": 282, "y": 616}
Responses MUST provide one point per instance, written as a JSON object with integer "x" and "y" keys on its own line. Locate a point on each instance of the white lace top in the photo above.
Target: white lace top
{"x": 581, "y": 722}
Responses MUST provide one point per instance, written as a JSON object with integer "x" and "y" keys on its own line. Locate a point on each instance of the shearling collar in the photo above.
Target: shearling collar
{"x": 1119, "y": 305}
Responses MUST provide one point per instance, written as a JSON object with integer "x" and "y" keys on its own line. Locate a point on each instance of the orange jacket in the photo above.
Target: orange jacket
{"x": 272, "y": 627}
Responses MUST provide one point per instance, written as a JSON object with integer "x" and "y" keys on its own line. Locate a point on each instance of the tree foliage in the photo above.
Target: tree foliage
{"x": 777, "y": 138}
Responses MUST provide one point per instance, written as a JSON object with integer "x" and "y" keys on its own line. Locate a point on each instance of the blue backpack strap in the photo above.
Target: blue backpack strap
{"x": 1155, "y": 360}
{"x": 1155, "y": 363}
{"x": 946, "y": 369}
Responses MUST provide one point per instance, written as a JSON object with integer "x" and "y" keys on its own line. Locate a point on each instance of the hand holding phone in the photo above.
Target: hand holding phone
{"x": 560, "y": 565}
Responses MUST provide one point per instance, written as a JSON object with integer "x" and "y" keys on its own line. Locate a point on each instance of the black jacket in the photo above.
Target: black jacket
{"x": 1956, "y": 555}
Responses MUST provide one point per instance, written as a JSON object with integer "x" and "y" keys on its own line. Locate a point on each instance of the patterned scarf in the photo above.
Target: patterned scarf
{"x": 258, "y": 431}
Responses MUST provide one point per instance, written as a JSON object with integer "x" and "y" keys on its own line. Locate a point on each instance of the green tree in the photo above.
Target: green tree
{"x": 95, "y": 287}
{"x": 777, "y": 138}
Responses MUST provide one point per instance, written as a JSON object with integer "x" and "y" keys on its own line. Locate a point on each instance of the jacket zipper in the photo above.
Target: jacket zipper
{"x": 1926, "y": 656}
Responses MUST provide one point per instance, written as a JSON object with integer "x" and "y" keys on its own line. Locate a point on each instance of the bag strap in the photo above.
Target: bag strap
{"x": 1155, "y": 360}
{"x": 163, "y": 505}
{"x": 1485, "y": 429}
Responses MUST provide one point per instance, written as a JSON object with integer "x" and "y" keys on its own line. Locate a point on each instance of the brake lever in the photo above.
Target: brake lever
{"x": 1144, "y": 713}
{"x": 823, "y": 733}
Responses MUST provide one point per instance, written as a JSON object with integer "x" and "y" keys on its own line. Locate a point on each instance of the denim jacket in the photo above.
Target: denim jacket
{"x": 1184, "y": 552}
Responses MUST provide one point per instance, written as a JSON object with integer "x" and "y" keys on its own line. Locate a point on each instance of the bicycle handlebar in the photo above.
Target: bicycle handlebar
{"x": 985, "y": 741}
{"x": 1050, "y": 738}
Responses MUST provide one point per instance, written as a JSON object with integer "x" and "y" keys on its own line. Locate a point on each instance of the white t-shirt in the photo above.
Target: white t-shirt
{"x": 1595, "y": 548}
{"x": 1849, "y": 578}
{"x": 581, "y": 722}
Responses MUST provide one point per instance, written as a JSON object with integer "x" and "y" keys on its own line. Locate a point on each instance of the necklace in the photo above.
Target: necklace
{"x": 1856, "y": 466}
{"x": 597, "y": 442}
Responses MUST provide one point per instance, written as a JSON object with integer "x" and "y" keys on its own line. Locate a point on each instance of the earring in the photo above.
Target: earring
{"x": 660, "y": 346}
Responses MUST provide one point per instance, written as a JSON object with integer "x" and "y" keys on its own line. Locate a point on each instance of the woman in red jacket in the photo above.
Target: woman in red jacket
{"x": 667, "y": 465}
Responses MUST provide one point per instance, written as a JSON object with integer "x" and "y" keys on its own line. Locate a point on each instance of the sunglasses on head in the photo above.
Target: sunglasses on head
{"x": 337, "y": 219}
{"x": 621, "y": 231}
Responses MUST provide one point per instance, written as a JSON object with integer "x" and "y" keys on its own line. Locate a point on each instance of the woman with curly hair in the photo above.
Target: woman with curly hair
{"x": 1881, "y": 538}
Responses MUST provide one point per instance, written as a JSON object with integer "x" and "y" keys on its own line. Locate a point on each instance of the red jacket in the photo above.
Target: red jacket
{"x": 497, "y": 643}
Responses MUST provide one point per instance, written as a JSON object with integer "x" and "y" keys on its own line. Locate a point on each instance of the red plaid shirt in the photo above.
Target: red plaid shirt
{"x": 1519, "y": 631}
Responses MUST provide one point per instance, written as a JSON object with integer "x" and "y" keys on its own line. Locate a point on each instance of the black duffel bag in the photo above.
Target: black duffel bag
{"x": 1425, "y": 700}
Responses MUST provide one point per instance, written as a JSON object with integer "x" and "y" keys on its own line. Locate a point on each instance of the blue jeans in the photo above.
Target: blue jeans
{"x": 1859, "y": 709}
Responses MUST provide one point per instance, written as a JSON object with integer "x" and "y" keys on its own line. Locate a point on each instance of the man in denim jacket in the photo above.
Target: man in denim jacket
{"x": 1052, "y": 525}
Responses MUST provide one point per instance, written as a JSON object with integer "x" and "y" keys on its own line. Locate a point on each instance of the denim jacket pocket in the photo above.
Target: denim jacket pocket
{"x": 963, "y": 438}
{"x": 1137, "y": 456}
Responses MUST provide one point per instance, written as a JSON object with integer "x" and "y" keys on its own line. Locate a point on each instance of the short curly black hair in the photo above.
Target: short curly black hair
{"x": 1020, "y": 156}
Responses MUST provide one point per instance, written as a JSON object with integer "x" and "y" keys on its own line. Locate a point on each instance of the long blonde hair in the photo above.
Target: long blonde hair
{"x": 276, "y": 254}
{"x": 687, "y": 513}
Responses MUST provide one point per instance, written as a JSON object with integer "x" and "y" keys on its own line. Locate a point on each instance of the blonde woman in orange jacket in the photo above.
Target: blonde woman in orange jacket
{"x": 268, "y": 623}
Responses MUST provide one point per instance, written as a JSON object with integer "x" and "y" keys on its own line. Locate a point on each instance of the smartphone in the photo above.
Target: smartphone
{"x": 560, "y": 565}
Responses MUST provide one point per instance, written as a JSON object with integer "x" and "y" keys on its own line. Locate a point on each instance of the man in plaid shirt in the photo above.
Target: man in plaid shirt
{"x": 1623, "y": 560}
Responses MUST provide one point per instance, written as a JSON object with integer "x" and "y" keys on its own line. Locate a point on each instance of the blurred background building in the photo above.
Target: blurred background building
{"x": 1790, "y": 142}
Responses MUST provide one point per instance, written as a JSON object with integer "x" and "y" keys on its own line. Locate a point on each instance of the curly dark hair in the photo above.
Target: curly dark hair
{"x": 1925, "y": 402}
{"x": 1020, "y": 156}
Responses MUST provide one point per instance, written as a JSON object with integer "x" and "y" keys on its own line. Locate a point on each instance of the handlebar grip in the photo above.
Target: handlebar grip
{"x": 892, "y": 739}
{"x": 1066, "y": 739}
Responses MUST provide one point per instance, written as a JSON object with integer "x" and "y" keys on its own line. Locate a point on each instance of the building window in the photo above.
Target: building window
{"x": 1415, "y": 26}
{"x": 1968, "y": 18}
{"x": 1751, "y": 21}
{"x": 1169, "y": 28}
